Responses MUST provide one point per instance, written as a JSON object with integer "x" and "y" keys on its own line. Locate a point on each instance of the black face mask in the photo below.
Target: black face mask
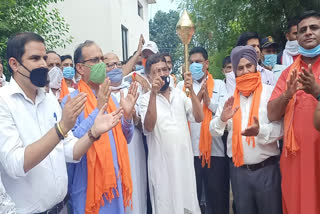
{"x": 166, "y": 80}
{"x": 38, "y": 76}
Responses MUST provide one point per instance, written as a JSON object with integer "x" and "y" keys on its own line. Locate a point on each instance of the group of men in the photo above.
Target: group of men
{"x": 92, "y": 134}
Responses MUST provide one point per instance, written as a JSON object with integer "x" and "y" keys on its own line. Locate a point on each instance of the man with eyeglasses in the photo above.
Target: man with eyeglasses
{"x": 115, "y": 73}
{"x": 101, "y": 182}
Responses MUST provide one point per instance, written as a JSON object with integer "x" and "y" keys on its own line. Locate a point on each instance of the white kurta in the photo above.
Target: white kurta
{"x": 138, "y": 168}
{"x": 170, "y": 161}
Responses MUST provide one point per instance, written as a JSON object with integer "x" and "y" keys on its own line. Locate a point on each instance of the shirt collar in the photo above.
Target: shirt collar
{"x": 16, "y": 89}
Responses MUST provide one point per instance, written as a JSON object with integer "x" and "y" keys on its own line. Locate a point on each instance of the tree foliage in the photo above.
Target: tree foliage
{"x": 220, "y": 22}
{"x": 163, "y": 32}
{"x": 37, "y": 16}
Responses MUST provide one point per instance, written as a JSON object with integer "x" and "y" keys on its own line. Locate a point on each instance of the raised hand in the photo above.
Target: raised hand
{"x": 105, "y": 122}
{"x": 308, "y": 82}
{"x": 129, "y": 101}
{"x": 143, "y": 82}
{"x": 104, "y": 93}
{"x": 188, "y": 81}
{"x": 292, "y": 85}
{"x": 141, "y": 43}
{"x": 252, "y": 130}
{"x": 206, "y": 98}
{"x": 157, "y": 85}
{"x": 71, "y": 111}
{"x": 228, "y": 112}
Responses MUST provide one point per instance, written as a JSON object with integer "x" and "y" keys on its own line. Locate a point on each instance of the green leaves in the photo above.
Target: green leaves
{"x": 162, "y": 30}
{"x": 220, "y": 22}
{"x": 37, "y": 16}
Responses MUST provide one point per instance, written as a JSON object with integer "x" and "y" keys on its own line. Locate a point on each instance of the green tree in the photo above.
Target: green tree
{"x": 220, "y": 22}
{"x": 163, "y": 32}
{"x": 37, "y": 16}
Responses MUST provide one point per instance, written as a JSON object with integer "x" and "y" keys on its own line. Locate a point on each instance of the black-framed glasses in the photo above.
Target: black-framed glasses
{"x": 113, "y": 64}
{"x": 94, "y": 60}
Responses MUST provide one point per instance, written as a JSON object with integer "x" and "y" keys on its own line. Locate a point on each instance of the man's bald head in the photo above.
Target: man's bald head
{"x": 112, "y": 61}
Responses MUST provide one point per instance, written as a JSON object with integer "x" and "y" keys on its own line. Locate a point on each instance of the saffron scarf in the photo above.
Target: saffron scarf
{"x": 64, "y": 89}
{"x": 102, "y": 179}
{"x": 289, "y": 139}
{"x": 205, "y": 141}
{"x": 246, "y": 84}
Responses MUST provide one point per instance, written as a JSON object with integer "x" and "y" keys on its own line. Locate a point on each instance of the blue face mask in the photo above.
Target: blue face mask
{"x": 270, "y": 60}
{"x": 309, "y": 52}
{"x": 115, "y": 75}
{"x": 139, "y": 67}
{"x": 196, "y": 71}
{"x": 68, "y": 72}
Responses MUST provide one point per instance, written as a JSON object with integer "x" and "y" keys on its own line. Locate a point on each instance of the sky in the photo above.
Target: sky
{"x": 163, "y": 5}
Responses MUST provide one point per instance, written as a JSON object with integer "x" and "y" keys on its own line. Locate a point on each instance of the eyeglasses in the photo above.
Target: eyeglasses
{"x": 113, "y": 64}
{"x": 94, "y": 60}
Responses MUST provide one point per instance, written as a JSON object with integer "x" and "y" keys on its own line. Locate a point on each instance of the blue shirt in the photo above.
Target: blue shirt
{"x": 77, "y": 173}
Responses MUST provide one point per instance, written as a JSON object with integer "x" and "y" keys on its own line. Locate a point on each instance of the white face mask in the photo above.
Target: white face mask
{"x": 230, "y": 75}
{"x": 292, "y": 47}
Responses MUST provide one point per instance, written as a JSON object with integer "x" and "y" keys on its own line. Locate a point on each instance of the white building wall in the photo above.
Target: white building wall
{"x": 101, "y": 20}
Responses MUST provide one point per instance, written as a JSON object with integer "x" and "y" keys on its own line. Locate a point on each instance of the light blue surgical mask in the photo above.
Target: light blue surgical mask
{"x": 196, "y": 71}
{"x": 68, "y": 72}
{"x": 139, "y": 67}
{"x": 309, "y": 52}
{"x": 115, "y": 75}
{"x": 270, "y": 60}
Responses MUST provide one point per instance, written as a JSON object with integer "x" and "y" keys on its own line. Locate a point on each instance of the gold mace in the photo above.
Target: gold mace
{"x": 185, "y": 30}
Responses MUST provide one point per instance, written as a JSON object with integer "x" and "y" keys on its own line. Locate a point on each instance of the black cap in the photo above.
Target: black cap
{"x": 267, "y": 42}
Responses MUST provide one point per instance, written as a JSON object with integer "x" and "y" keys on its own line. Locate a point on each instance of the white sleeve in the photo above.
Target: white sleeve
{"x": 219, "y": 94}
{"x": 143, "y": 108}
{"x": 217, "y": 126}
{"x": 68, "y": 146}
{"x": 270, "y": 132}
{"x": 11, "y": 146}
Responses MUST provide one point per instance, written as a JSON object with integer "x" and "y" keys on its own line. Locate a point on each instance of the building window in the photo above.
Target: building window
{"x": 124, "y": 35}
{"x": 140, "y": 10}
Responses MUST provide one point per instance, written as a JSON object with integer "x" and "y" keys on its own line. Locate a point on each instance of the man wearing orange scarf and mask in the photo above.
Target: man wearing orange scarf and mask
{"x": 252, "y": 138}
{"x": 211, "y": 165}
{"x": 101, "y": 182}
{"x": 295, "y": 99}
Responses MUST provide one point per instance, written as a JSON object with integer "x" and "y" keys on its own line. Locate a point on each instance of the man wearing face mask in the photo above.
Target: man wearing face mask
{"x": 36, "y": 141}
{"x": 253, "y": 39}
{"x": 101, "y": 182}
{"x": 135, "y": 148}
{"x": 211, "y": 165}
{"x": 229, "y": 74}
{"x": 290, "y": 53}
{"x": 252, "y": 139}
{"x": 269, "y": 56}
{"x": 165, "y": 112}
{"x": 55, "y": 78}
{"x": 294, "y": 100}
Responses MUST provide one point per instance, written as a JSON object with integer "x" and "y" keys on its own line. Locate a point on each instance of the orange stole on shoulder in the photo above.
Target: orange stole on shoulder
{"x": 64, "y": 89}
{"x": 205, "y": 136}
{"x": 289, "y": 139}
{"x": 102, "y": 179}
{"x": 246, "y": 84}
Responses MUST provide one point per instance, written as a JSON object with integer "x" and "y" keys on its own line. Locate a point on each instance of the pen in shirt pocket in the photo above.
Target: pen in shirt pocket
{"x": 55, "y": 116}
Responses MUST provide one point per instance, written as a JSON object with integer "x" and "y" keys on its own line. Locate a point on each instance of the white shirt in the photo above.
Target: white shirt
{"x": 277, "y": 71}
{"x": 267, "y": 77}
{"x": 170, "y": 161}
{"x": 265, "y": 142}
{"x": 22, "y": 123}
{"x": 219, "y": 94}
{"x": 6, "y": 204}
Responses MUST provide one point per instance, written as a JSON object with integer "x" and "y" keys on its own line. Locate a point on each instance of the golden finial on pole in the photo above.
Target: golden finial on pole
{"x": 185, "y": 30}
